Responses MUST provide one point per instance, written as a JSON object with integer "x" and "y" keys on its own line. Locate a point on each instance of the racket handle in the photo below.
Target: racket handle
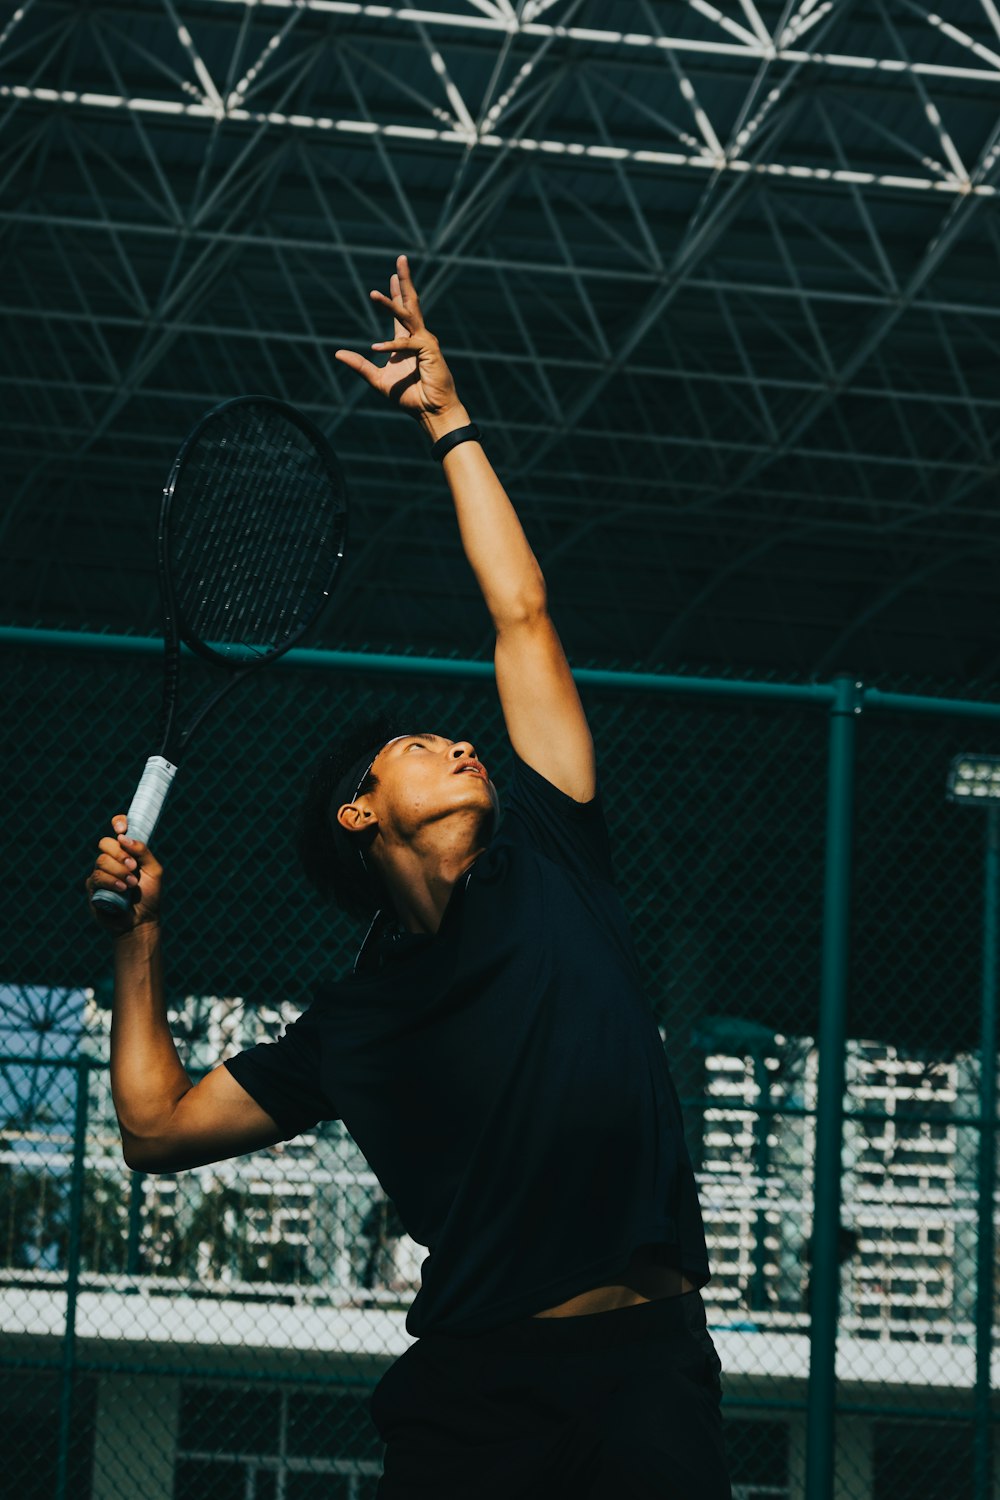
{"x": 143, "y": 814}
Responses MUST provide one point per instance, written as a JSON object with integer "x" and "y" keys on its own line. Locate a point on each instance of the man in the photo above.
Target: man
{"x": 492, "y": 1054}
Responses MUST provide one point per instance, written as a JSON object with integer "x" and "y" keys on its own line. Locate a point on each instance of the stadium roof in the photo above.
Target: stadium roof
{"x": 718, "y": 281}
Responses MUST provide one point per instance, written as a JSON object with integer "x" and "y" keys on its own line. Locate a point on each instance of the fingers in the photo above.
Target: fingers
{"x": 398, "y": 328}
{"x": 356, "y": 361}
{"x": 117, "y": 864}
{"x": 401, "y": 288}
{"x": 114, "y": 867}
{"x": 405, "y": 315}
{"x": 406, "y": 345}
{"x": 114, "y": 856}
{"x": 109, "y": 874}
{"x": 402, "y": 302}
{"x": 131, "y": 846}
{"x": 121, "y": 857}
{"x": 129, "y": 868}
{"x": 105, "y": 877}
{"x": 407, "y": 289}
{"x": 411, "y": 335}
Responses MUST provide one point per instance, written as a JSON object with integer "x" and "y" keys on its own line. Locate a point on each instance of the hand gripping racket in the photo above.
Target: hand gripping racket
{"x": 251, "y": 533}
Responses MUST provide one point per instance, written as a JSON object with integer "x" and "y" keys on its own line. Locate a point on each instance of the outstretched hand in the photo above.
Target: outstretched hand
{"x": 416, "y": 376}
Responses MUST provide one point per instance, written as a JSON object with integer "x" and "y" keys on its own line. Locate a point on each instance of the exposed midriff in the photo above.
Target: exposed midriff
{"x": 642, "y": 1280}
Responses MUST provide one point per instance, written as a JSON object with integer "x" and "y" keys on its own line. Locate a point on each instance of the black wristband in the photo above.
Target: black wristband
{"x": 452, "y": 439}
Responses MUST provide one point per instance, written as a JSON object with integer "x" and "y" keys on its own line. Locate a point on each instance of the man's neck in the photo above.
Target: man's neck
{"x": 421, "y": 876}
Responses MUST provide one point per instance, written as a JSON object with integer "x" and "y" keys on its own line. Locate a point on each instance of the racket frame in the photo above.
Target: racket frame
{"x": 176, "y": 629}
{"x": 160, "y": 769}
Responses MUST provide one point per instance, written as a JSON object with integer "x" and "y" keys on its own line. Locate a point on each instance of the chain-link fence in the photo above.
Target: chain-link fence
{"x": 217, "y": 1332}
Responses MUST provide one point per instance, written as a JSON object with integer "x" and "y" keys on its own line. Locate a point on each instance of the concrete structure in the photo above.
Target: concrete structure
{"x": 159, "y": 1358}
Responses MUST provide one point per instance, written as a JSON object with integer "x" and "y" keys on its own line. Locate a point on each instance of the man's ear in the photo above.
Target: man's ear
{"x": 356, "y": 817}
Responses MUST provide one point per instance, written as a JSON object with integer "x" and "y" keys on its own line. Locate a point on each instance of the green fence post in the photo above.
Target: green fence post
{"x": 987, "y": 1160}
{"x": 133, "y": 1260}
{"x": 824, "y": 1276}
{"x": 72, "y": 1275}
{"x": 763, "y": 1124}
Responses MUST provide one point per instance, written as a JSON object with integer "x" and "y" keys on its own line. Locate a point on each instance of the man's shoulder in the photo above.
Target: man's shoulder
{"x": 569, "y": 833}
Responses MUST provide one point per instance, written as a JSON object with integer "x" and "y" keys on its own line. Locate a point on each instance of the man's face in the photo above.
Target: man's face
{"x": 425, "y": 777}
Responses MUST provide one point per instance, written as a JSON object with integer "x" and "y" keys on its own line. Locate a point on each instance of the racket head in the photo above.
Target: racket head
{"x": 253, "y": 525}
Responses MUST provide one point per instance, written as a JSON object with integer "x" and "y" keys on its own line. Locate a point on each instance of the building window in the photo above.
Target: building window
{"x": 276, "y": 1443}
{"x": 930, "y": 1459}
{"x": 758, "y": 1459}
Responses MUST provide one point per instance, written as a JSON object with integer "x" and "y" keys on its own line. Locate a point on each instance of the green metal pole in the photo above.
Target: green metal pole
{"x": 824, "y": 1279}
{"x": 763, "y": 1123}
{"x": 987, "y": 1161}
{"x": 441, "y": 667}
{"x": 135, "y": 1200}
{"x": 72, "y": 1276}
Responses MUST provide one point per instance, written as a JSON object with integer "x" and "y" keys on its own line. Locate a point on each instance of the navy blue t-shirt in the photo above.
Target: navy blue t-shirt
{"x": 504, "y": 1079}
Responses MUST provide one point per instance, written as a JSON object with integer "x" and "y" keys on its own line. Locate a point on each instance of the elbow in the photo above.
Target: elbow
{"x": 147, "y": 1163}
{"x": 139, "y": 1155}
{"x": 147, "y": 1149}
{"x": 529, "y": 607}
{"x": 134, "y": 1160}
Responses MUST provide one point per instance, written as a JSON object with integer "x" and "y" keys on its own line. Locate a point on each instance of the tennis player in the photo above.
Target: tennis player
{"x": 492, "y": 1054}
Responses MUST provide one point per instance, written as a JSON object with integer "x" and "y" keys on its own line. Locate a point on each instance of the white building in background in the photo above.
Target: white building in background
{"x": 908, "y": 1192}
{"x": 312, "y": 1211}
{"x": 295, "y": 1270}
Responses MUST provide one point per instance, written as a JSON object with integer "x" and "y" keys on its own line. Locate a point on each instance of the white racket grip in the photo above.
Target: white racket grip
{"x": 144, "y": 810}
{"x": 150, "y": 795}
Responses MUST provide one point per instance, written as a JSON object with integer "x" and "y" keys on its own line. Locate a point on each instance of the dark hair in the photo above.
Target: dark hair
{"x": 330, "y": 856}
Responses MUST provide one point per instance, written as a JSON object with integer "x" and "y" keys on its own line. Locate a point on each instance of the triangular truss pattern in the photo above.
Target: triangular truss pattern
{"x": 716, "y": 278}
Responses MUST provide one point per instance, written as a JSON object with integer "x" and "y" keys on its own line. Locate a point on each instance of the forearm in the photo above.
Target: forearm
{"x": 147, "y": 1078}
{"x": 493, "y": 539}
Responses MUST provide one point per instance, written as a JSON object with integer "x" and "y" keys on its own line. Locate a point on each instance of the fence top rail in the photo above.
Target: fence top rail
{"x": 388, "y": 664}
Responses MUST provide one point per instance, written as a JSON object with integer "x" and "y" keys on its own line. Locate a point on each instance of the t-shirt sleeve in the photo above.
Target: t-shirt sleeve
{"x": 573, "y": 834}
{"x": 285, "y": 1077}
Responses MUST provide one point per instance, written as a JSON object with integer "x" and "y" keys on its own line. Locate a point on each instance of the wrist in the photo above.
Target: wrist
{"x": 438, "y": 424}
{"x": 141, "y": 932}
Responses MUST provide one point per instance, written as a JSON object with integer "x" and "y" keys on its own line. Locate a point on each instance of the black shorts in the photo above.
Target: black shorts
{"x": 621, "y": 1404}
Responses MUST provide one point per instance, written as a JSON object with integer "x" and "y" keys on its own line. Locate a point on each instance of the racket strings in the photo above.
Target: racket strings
{"x": 258, "y": 521}
{"x": 211, "y": 514}
{"x": 220, "y": 487}
{"x": 289, "y": 585}
{"x": 216, "y": 517}
{"x": 296, "y": 501}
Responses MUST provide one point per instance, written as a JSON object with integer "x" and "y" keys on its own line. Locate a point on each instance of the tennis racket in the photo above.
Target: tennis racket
{"x": 251, "y": 532}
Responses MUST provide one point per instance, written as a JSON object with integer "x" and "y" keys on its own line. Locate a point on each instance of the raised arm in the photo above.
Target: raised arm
{"x": 541, "y": 706}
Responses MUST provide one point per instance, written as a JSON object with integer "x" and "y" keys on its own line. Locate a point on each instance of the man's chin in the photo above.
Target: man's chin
{"x": 484, "y": 792}
{"x": 477, "y": 783}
